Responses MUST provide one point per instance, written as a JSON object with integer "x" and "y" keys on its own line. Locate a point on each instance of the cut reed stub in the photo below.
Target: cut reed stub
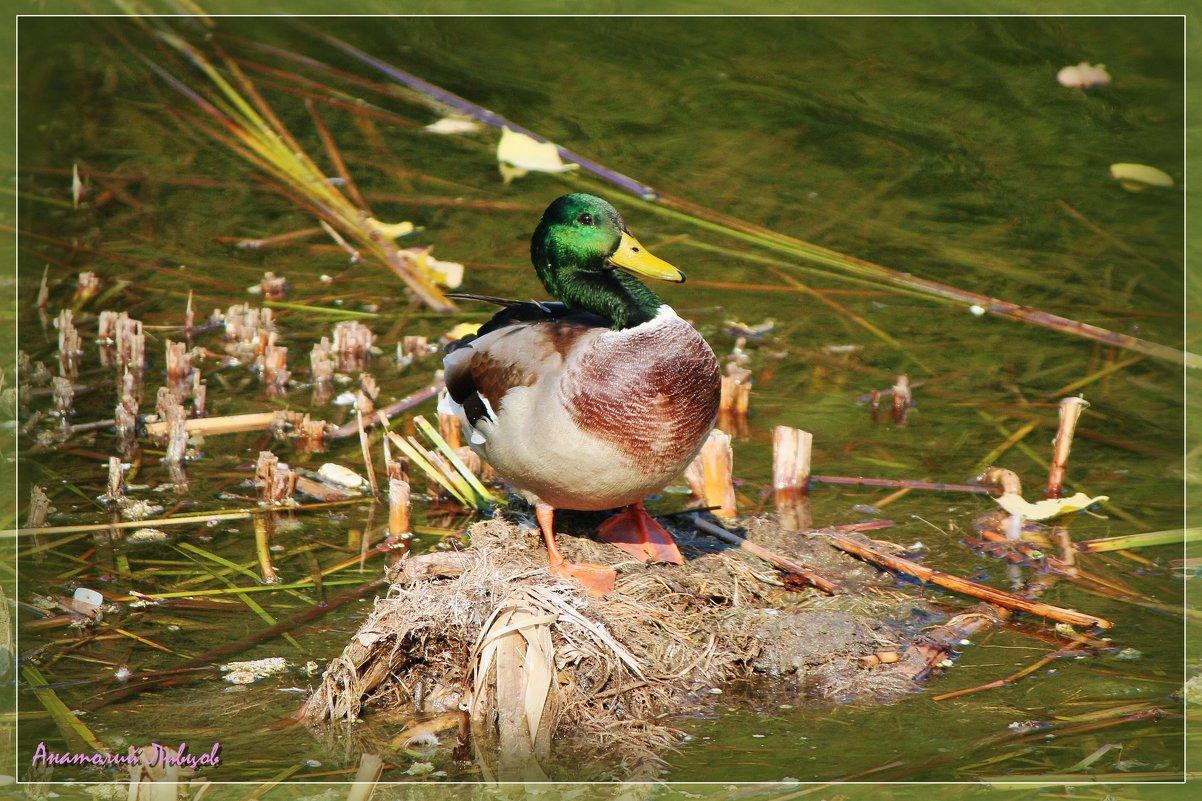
{"x": 39, "y": 508}
{"x": 275, "y": 367}
{"x": 246, "y": 331}
{"x": 63, "y": 393}
{"x": 1070, "y": 413}
{"x": 116, "y": 482}
{"x": 274, "y": 480}
{"x": 399, "y": 526}
{"x": 179, "y": 363}
{"x": 711, "y": 476}
{"x": 189, "y": 318}
{"x": 70, "y": 346}
{"x": 309, "y": 434}
{"x": 352, "y": 345}
{"x": 131, "y": 344}
{"x": 273, "y": 287}
{"x": 900, "y": 400}
{"x": 791, "y": 449}
{"x": 177, "y": 435}
{"x": 199, "y": 395}
{"x": 450, "y": 429}
{"x": 735, "y": 396}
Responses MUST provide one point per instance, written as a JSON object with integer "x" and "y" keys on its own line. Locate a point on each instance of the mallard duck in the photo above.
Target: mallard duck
{"x": 593, "y": 402}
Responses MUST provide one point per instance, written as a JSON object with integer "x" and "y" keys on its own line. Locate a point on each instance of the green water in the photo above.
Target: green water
{"x": 938, "y": 147}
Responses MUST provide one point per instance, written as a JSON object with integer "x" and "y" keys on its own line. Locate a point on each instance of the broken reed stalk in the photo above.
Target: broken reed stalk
{"x": 365, "y": 447}
{"x": 39, "y": 508}
{"x": 404, "y": 404}
{"x": 1070, "y": 412}
{"x": 791, "y": 449}
{"x": 116, "y": 482}
{"x": 230, "y": 424}
{"x": 710, "y": 476}
{"x": 1007, "y": 681}
{"x": 946, "y": 580}
{"x": 783, "y": 563}
{"x": 1174, "y": 536}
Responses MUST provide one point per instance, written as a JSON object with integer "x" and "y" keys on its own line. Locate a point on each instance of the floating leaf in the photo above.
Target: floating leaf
{"x": 1047, "y": 509}
{"x": 454, "y": 124}
{"x": 446, "y": 273}
{"x": 519, "y": 154}
{"x": 1084, "y": 75}
{"x": 1138, "y": 177}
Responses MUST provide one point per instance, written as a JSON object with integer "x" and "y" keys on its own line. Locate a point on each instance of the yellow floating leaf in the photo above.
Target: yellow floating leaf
{"x": 1137, "y": 177}
{"x": 1047, "y": 509}
{"x": 522, "y": 154}
{"x": 391, "y": 230}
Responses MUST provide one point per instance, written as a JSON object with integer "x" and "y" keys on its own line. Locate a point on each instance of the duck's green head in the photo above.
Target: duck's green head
{"x": 586, "y": 257}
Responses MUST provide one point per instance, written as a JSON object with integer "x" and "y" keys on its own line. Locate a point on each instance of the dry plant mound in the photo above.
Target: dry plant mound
{"x": 542, "y": 670}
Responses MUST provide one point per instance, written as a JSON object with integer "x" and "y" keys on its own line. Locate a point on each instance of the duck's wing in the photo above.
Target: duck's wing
{"x": 524, "y": 342}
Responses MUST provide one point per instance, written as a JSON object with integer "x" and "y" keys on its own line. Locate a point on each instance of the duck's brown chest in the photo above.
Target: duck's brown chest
{"x": 652, "y": 393}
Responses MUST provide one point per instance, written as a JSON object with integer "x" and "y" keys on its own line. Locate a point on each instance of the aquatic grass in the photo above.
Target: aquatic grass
{"x": 78, "y": 736}
{"x": 451, "y": 473}
{"x": 249, "y": 128}
{"x": 1175, "y": 536}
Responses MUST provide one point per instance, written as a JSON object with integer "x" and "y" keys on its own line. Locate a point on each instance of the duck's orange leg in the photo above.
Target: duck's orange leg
{"x": 597, "y": 579}
{"x": 637, "y": 533}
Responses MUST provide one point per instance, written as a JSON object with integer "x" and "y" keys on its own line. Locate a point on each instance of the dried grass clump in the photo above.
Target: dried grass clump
{"x": 543, "y": 668}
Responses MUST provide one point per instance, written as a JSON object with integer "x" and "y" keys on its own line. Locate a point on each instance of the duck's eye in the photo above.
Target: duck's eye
{"x": 585, "y": 218}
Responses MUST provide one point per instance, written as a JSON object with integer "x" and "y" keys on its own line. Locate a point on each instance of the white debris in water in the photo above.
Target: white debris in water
{"x": 1083, "y": 75}
{"x": 342, "y": 476}
{"x": 249, "y": 672}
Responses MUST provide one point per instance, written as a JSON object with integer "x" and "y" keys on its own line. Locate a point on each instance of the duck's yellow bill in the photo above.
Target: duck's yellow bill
{"x": 632, "y": 256}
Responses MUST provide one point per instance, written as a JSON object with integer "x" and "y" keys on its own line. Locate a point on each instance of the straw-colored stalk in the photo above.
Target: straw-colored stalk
{"x": 783, "y": 563}
{"x": 791, "y": 448}
{"x": 366, "y": 777}
{"x": 365, "y": 447}
{"x": 263, "y": 537}
{"x": 1173, "y": 536}
{"x": 711, "y": 476}
{"x": 230, "y": 424}
{"x": 1070, "y": 412}
{"x": 189, "y": 318}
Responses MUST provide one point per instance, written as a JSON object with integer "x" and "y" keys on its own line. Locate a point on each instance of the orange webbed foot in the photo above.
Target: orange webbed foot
{"x": 637, "y": 532}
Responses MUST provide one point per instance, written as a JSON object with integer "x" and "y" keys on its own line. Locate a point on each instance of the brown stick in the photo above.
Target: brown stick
{"x": 785, "y": 564}
{"x": 998, "y": 597}
{"x": 1070, "y": 412}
